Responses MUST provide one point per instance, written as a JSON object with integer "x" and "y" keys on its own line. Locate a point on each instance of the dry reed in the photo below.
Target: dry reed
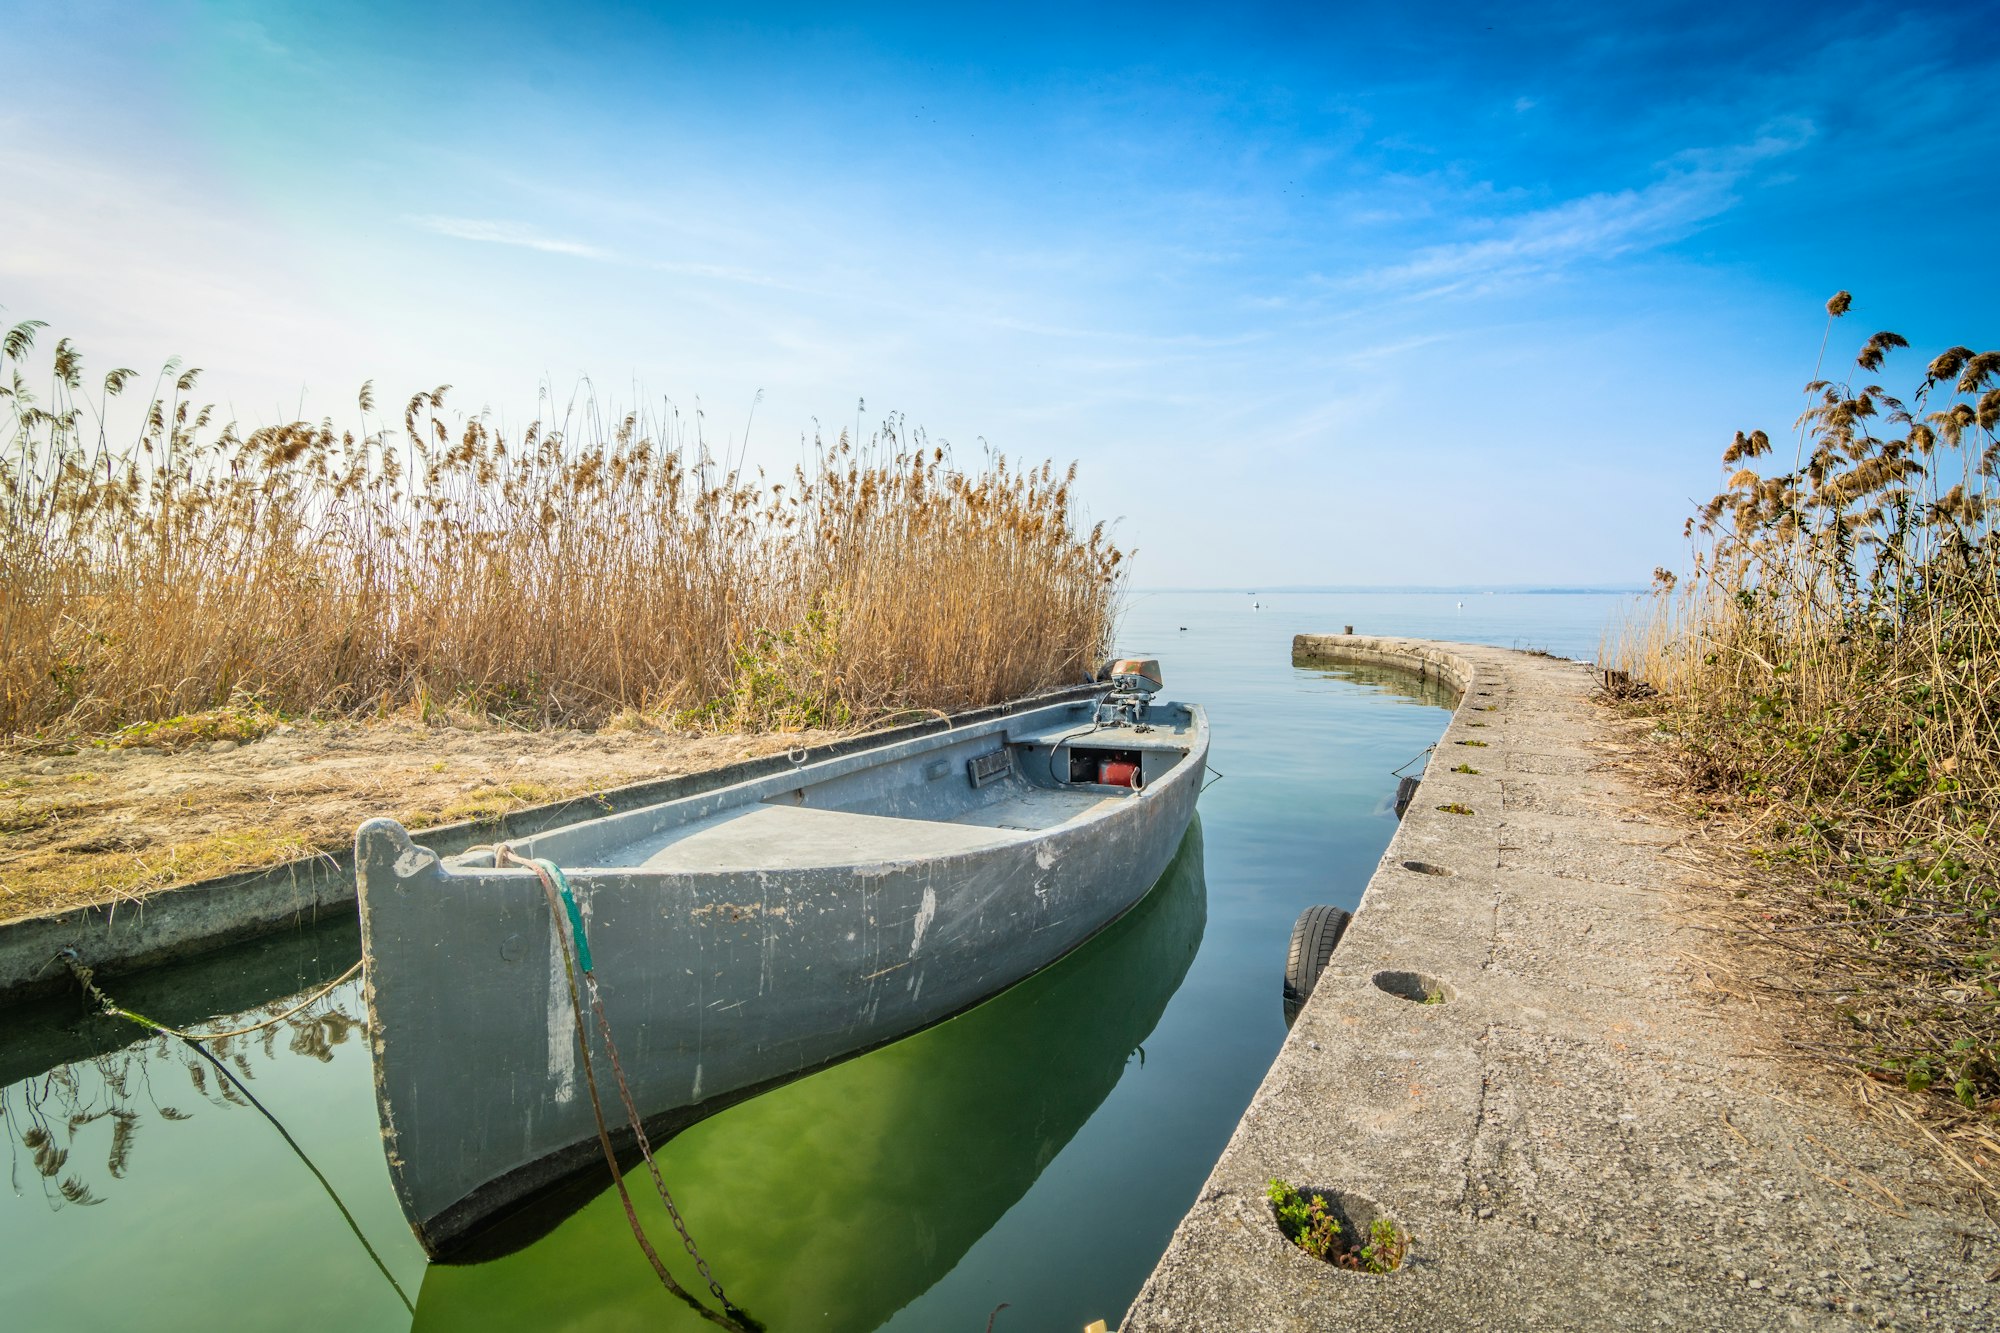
{"x": 1830, "y": 675}
{"x": 577, "y": 572}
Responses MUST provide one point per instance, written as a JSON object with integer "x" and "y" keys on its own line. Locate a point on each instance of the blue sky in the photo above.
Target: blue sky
{"x": 1346, "y": 294}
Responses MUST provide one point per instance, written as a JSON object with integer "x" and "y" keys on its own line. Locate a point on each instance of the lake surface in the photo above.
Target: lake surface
{"x": 1037, "y": 1150}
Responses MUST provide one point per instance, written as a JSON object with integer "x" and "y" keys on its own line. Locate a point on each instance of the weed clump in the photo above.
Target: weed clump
{"x": 1308, "y": 1221}
{"x": 1829, "y": 672}
{"x": 240, "y": 720}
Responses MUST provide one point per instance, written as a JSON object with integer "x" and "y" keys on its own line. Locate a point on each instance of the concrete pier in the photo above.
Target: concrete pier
{"x": 1585, "y": 1133}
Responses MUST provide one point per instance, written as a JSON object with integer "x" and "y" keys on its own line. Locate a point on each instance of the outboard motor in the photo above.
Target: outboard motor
{"x": 1134, "y": 682}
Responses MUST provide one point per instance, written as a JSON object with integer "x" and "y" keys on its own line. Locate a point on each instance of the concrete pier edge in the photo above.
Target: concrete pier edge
{"x": 1581, "y": 1135}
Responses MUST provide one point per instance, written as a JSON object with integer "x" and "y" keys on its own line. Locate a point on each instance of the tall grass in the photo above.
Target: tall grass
{"x": 571, "y": 572}
{"x": 1831, "y": 670}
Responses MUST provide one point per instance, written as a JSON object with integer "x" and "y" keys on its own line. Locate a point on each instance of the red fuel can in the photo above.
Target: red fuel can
{"x": 1114, "y": 773}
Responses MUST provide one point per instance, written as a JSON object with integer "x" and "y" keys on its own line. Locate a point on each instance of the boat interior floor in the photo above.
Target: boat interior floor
{"x": 777, "y": 837}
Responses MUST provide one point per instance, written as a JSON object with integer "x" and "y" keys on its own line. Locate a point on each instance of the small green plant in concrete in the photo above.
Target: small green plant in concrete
{"x": 1456, "y": 809}
{"x": 1306, "y": 1224}
{"x": 1385, "y": 1248}
{"x": 1466, "y": 768}
{"x": 1477, "y": 745}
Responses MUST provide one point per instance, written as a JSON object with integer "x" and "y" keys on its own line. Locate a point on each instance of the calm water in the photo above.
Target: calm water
{"x": 1037, "y": 1150}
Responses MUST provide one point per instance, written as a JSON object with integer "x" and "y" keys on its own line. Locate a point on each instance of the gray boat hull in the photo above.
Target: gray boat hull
{"x": 848, "y": 904}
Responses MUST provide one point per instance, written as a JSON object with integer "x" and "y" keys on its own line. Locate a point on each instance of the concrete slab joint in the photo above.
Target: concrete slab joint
{"x": 1509, "y": 1057}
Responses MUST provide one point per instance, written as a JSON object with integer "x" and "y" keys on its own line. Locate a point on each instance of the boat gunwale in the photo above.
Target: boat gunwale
{"x": 688, "y": 809}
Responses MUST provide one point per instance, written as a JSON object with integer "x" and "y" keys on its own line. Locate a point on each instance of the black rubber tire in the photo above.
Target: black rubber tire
{"x": 1314, "y": 937}
{"x": 1406, "y": 791}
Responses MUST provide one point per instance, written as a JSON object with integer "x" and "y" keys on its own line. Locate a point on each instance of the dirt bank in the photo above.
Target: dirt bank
{"x": 101, "y": 823}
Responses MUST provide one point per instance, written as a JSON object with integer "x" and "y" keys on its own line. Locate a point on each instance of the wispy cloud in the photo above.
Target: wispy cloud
{"x": 1697, "y": 186}
{"x": 508, "y": 233}
{"x": 726, "y": 273}
{"x": 494, "y": 232}
{"x": 1596, "y": 226}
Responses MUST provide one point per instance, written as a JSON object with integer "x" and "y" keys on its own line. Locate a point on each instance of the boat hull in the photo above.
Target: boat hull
{"x": 918, "y": 1155}
{"x": 717, "y": 983}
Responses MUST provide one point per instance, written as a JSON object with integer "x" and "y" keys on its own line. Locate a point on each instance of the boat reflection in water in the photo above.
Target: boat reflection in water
{"x": 832, "y": 1202}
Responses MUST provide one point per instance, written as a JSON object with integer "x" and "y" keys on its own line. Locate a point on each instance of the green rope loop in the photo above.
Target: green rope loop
{"x": 575, "y": 913}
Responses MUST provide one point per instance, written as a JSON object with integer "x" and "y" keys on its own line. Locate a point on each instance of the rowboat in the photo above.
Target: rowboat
{"x": 834, "y": 1202}
{"x": 746, "y": 934}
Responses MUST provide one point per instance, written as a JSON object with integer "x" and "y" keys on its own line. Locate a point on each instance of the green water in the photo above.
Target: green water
{"x": 1037, "y": 1150}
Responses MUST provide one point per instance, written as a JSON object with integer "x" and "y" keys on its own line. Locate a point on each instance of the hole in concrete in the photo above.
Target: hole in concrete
{"x": 1425, "y": 868}
{"x": 1343, "y": 1229}
{"x": 1418, "y": 986}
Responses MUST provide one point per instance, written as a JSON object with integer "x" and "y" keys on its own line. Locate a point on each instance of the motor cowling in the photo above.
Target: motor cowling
{"x": 1141, "y": 675}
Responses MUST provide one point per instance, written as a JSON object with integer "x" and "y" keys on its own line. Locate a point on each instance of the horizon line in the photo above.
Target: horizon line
{"x": 1266, "y": 590}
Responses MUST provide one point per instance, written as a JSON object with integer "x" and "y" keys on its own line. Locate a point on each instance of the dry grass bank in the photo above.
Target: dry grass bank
{"x": 109, "y": 823}
{"x": 1829, "y": 684}
{"x": 565, "y": 574}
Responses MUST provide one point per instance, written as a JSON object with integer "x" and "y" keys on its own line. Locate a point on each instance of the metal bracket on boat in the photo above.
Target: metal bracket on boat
{"x": 990, "y": 767}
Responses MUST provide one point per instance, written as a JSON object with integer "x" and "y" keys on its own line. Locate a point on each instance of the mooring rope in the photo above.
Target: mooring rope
{"x": 86, "y": 978}
{"x": 564, "y": 910}
{"x": 1397, "y": 771}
